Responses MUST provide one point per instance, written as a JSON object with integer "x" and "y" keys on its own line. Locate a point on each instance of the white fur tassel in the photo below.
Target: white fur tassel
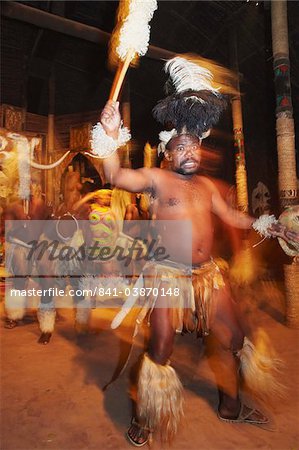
{"x": 165, "y": 137}
{"x": 262, "y": 224}
{"x": 23, "y": 151}
{"x": 135, "y": 31}
{"x": 46, "y": 318}
{"x": 188, "y": 75}
{"x": 83, "y": 312}
{"x": 260, "y": 367}
{"x": 14, "y": 305}
{"x": 159, "y": 398}
{"x": 104, "y": 145}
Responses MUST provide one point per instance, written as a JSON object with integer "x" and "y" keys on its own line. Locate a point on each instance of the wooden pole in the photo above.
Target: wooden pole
{"x": 50, "y": 188}
{"x": 243, "y": 261}
{"x": 241, "y": 175}
{"x": 285, "y": 133}
{"x": 284, "y": 111}
{"x": 120, "y": 76}
{"x": 126, "y": 115}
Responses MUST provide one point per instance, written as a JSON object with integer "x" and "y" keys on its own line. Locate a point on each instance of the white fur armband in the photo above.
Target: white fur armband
{"x": 104, "y": 145}
{"x": 262, "y": 224}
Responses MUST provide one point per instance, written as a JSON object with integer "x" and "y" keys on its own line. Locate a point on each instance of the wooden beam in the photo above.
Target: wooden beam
{"x": 43, "y": 19}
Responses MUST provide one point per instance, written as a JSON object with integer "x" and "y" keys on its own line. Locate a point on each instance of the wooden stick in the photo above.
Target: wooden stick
{"x": 120, "y": 75}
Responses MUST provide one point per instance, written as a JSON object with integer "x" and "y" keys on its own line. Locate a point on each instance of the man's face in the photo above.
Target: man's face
{"x": 184, "y": 154}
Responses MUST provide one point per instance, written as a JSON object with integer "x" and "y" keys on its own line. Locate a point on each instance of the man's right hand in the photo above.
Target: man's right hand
{"x": 110, "y": 119}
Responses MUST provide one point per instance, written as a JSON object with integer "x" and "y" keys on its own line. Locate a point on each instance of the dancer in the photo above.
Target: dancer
{"x": 208, "y": 308}
{"x": 18, "y": 265}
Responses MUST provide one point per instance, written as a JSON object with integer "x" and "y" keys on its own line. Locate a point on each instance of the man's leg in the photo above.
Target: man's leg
{"x": 82, "y": 304}
{"x": 161, "y": 336}
{"x": 159, "y": 391}
{"x": 15, "y": 304}
{"x": 226, "y": 340}
{"x": 46, "y": 312}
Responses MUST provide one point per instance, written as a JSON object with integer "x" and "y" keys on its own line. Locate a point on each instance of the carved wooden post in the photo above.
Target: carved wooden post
{"x": 50, "y": 188}
{"x": 241, "y": 175}
{"x": 285, "y": 133}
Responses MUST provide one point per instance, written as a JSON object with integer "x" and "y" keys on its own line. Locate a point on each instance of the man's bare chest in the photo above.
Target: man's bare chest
{"x": 179, "y": 195}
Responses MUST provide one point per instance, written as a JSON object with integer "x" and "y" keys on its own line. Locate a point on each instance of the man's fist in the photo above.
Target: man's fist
{"x": 110, "y": 119}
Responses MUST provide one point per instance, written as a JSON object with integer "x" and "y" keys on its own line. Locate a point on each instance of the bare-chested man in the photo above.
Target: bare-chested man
{"x": 183, "y": 194}
{"x": 200, "y": 296}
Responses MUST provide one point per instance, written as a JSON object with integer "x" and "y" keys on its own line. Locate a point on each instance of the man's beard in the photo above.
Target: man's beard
{"x": 185, "y": 171}
{"x": 182, "y": 171}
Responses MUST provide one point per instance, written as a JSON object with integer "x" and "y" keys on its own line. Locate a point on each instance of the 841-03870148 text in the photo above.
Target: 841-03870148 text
{"x": 138, "y": 292}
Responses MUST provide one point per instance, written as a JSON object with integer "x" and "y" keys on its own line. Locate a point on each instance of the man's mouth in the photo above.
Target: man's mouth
{"x": 189, "y": 163}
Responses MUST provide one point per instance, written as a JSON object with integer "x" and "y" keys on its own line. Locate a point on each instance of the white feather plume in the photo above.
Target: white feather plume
{"x": 187, "y": 75}
{"x": 135, "y": 32}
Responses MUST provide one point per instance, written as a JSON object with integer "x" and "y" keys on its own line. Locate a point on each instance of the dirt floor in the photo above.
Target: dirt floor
{"x": 52, "y": 398}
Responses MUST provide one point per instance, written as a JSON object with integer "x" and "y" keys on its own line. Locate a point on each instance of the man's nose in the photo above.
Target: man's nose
{"x": 188, "y": 151}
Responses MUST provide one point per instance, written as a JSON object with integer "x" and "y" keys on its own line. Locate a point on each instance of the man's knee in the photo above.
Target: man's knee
{"x": 161, "y": 351}
{"x": 228, "y": 340}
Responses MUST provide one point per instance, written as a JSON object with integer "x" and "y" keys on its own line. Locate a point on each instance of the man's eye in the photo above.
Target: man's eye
{"x": 194, "y": 147}
{"x": 180, "y": 149}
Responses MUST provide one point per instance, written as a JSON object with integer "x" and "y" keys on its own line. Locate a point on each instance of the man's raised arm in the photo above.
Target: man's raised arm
{"x": 128, "y": 179}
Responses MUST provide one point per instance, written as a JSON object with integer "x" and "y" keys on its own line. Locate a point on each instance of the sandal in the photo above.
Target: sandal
{"x": 44, "y": 338}
{"x": 10, "y": 323}
{"x": 142, "y": 432}
{"x": 247, "y": 415}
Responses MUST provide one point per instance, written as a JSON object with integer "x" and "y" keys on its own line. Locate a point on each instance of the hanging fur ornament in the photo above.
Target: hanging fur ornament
{"x": 261, "y": 368}
{"x": 159, "y": 398}
{"x": 23, "y": 152}
{"x": 165, "y": 137}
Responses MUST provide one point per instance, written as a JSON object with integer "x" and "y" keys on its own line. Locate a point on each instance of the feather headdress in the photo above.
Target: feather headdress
{"x": 185, "y": 75}
{"x": 194, "y": 102}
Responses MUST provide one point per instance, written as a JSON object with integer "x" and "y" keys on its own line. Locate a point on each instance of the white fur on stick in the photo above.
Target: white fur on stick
{"x": 135, "y": 32}
{"x": 104, "y": 145}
